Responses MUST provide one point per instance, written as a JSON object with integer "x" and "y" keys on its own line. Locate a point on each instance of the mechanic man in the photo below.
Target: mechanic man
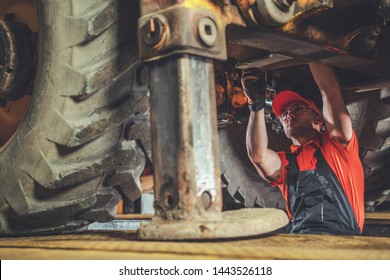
{"x": 322, "y": 178}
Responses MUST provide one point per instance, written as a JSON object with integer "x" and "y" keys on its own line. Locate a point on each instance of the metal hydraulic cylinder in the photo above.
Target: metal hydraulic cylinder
{"x": 183, "y": 113}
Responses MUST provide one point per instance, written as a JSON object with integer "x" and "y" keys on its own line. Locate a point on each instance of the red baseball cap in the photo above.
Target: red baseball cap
{"x": 285, "y": 97}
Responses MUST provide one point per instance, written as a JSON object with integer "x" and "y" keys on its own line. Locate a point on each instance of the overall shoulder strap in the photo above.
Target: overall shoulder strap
{"x": 292, "y": 167}
{"x": 292, "y": 160}
{"x": 321, "y": 162}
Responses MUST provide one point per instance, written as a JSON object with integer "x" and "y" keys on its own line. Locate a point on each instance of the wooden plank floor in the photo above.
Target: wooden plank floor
{"x": 115, "y": 245}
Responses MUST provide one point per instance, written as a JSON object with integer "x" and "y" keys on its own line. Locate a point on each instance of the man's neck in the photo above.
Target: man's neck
{"x": 302, "y": 140}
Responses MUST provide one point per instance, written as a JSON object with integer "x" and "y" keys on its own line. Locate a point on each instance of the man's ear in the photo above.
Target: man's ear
{"x": 320, "y": 123}
{"x": 318, "y": 119}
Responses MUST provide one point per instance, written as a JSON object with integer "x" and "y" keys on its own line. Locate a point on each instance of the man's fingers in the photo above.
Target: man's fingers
{"x": 252, "y": 73}
{"x": 251, "y": 78}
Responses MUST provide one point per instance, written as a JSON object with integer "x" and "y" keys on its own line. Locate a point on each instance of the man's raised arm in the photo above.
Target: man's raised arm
{"x": 337, "y": 119}
{"x": 266, "y": 161}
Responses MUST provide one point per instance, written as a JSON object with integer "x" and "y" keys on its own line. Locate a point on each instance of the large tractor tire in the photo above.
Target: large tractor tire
{"x": 244, "y": 186}
{"x": 72, "y": 157}
{"x": 370, "y": 113}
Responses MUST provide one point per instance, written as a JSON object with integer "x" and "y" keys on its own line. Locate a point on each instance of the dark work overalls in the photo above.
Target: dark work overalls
{"x": 318, "y": 202}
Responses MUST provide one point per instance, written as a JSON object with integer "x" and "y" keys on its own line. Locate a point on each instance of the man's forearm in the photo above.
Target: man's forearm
{"x": 325, "y": 78}
{"x": 256, "y": 135}
{"x": 266, "y": 161}
{"x": 336, "y": 116}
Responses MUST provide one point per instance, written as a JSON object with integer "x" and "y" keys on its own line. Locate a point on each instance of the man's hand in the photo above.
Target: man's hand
{"x": 254, "y": 86}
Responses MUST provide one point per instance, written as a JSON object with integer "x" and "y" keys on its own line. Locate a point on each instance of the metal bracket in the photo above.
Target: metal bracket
{"x": 181, "y": 30}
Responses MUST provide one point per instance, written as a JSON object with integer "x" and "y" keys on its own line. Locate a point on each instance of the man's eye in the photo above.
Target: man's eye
{"x": 298, "y": 109}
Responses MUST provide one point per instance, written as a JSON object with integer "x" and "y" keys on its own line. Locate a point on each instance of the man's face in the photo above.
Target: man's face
{"x": 297, "y": 119}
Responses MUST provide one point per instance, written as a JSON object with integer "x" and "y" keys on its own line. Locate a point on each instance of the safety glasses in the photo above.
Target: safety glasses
{"x": 295, "y": 110}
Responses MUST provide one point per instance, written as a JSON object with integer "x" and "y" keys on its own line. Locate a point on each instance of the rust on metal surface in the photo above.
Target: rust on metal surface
{"x": 17, "y": 63}
{"x": 361, "y": 37}
{"x": 17, "y": 60}
{"x": 186, "y": 168}
{"x": 220, "y": 92}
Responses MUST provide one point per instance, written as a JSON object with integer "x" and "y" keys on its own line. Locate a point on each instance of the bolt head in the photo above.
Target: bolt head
{"x": 153, "y": 32}
{"x": 208, "y": 32}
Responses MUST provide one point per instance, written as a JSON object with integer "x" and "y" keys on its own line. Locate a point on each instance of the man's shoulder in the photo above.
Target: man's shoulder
{"x": 327, "y": 142}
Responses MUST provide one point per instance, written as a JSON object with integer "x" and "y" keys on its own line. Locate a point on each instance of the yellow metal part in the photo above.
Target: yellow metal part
{"x": 201, "y": 4}
{"x": 12, "y": 113}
